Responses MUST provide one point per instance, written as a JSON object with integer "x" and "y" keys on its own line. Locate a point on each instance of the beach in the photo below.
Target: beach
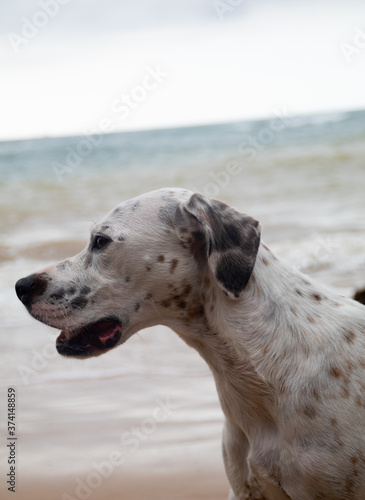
{"x": 204, "y": 485}
{"x": 143, "y": 421}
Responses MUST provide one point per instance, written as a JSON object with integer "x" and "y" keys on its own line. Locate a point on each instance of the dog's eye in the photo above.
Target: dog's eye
{"x": 100, "y": 242}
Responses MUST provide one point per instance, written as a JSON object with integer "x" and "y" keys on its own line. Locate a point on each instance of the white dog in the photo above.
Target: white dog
{"x": 287, "y": 354}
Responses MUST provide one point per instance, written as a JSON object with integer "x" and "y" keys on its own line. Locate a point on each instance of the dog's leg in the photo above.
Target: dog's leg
{"x": 235, "y": 450}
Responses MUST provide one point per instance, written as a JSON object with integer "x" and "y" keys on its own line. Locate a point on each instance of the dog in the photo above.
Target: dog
{"x": 287, "y": 354}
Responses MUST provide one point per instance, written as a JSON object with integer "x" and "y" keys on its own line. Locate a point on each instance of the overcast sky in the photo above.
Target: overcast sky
{"x": 72, "y": 66}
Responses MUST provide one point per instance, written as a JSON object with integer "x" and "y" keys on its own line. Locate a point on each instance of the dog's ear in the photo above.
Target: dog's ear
{"x": 225, "y": 239}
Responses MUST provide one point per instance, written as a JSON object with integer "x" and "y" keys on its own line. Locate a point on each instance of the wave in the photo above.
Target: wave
{"x": 315, "y": 120}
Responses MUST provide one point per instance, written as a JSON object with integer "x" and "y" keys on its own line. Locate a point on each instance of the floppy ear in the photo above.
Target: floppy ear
{"x": 225, "y": 239}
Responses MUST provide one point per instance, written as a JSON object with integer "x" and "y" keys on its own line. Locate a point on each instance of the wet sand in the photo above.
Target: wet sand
{"x": 184, "y": 485}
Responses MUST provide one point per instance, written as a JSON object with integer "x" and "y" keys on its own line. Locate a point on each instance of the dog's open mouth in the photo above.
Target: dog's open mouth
{"x": 89, "y": 340}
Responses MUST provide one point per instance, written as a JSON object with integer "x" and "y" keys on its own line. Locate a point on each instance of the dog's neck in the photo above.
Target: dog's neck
{"x": 253, "y": 344}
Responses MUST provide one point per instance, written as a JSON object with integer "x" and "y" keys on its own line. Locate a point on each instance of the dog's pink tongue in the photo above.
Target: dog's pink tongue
{"x": 105, "y": 330}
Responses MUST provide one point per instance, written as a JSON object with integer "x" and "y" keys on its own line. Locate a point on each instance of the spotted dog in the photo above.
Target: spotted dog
{"x": 287, "y": 354}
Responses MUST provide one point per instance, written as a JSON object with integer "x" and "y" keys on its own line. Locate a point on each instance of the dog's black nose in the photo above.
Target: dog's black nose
{"x": 30, "y": 287}
{"x": 24, "y": 286}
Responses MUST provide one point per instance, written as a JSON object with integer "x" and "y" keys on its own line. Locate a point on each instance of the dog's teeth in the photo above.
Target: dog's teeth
{"x": 67, "y": 334}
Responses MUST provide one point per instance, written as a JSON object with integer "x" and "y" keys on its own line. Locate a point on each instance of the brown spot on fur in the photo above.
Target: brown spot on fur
{"x": 127, "y": 278}
{"x": 333, "y": 422}
{"x": 161, "y": 258}
{"x": 173, "y": 265}
{"x": 335, "y": 372}
{"x": 148, "y": 268}
{"x": 104, "y": 228}
{"x": 316, "y": 297}
{"x": 310, "y": 319}
{"x": 186, "y": 292}
{"x": 310, "y": 412}
{"x": 354, "y": 461}
{"x": 299, "y": 292}
{"x": 316, "y": 395}
{"x": 349, "y": 336}
{"x": 179, "y": 299}
{"x": 196, "y": 310}
{"x": 265, "y": 261}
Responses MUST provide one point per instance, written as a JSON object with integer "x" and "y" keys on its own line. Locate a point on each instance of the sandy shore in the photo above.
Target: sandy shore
{"x": 186, "y": 485}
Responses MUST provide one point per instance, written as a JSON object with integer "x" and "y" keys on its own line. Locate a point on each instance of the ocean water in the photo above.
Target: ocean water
{"x": 302, "y": 177}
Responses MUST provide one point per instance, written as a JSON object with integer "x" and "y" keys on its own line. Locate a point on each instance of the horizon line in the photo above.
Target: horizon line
{"x": 183, "y": 126}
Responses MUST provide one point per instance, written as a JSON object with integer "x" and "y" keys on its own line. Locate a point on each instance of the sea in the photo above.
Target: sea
{"x": 303, "y": 177}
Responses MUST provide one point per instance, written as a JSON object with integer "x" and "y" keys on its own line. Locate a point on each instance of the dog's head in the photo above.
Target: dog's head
{"x": 159, "y": 258}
